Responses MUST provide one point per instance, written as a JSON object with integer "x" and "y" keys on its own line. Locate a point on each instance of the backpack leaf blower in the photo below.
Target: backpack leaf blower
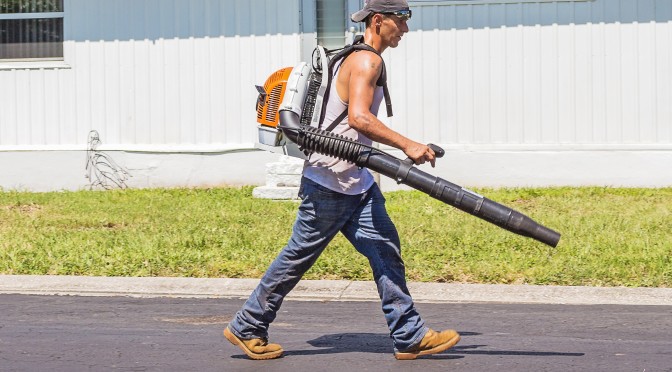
{"x": 283, "y": 110}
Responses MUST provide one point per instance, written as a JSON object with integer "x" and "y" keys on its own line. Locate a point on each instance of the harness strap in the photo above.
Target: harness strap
{"x": 337, "y": 120}
{"x": 358, "y": 44}
{"x": 382, "y": 80}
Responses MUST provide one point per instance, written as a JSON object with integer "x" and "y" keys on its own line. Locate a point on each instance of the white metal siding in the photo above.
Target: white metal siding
{"x": 527, "y": 93}
{"x": 152, "y": 72}
{"x": 548, "y": 74}
{"x": 159, "y": 72}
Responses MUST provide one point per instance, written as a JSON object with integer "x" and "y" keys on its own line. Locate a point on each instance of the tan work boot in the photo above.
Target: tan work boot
{"x": 433, "y": 342}
{"x": 256, "y": 348}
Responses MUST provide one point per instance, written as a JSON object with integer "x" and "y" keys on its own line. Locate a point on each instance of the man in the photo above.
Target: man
{"x": 339, "y": 196}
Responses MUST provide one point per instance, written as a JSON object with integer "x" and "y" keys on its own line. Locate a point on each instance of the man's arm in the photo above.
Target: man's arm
{"x": 365, "y": 69}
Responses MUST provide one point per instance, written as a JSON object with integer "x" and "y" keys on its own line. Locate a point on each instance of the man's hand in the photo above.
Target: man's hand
{"x": 420, "y": 153}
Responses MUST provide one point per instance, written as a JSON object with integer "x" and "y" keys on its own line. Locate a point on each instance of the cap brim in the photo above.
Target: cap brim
{"x": 360, "y": 16}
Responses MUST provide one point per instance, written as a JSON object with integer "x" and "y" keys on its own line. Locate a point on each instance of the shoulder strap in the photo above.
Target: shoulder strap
{"x": 358, "y": 44}
{"x": 337, "y": 120}
{"x": 382, "y": 80}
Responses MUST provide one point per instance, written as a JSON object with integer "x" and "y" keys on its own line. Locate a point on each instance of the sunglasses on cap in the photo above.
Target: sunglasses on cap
{"x": 403, "y": 15}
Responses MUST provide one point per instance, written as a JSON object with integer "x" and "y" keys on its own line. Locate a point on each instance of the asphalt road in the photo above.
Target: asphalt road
{"x": 70, "y": 333}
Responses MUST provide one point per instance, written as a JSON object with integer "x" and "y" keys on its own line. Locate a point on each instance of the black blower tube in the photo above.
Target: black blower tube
{"x": 323, "y": 142}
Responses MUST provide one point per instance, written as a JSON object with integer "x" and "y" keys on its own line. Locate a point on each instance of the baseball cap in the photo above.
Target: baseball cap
{"x": 379, "y": 6}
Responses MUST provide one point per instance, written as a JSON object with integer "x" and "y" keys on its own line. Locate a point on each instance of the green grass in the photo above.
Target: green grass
{"x": 611, "y": 237}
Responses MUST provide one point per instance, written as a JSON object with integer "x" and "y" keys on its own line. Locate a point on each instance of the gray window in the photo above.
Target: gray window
{"x": 31, "y": 29}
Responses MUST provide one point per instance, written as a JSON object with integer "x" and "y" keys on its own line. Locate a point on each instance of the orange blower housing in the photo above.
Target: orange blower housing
{"x": 270, "y": 98}
{"x": 268, "y": 104}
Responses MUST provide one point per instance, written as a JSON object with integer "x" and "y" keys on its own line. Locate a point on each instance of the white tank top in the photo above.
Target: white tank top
{"x": 332, "y": 173}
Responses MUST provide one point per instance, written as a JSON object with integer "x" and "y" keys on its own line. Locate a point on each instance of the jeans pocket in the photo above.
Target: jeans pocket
{"x": 325, "y": 204}
{"x": 310, "y": 187}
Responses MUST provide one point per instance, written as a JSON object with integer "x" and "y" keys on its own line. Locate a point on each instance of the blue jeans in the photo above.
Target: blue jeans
{"x": 364, "y": 221}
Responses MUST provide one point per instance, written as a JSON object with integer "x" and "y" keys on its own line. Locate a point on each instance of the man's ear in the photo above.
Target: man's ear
{"x": 376, "y": 21}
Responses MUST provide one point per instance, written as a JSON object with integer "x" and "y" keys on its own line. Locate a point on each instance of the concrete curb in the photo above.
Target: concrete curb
{"x": 331, "y": 290}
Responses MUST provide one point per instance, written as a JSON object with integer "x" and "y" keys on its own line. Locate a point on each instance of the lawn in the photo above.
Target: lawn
{"x": 611, "y": 236}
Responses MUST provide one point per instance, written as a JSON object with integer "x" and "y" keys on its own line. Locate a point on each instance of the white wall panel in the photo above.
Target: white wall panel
{"x": 663, "y": 72}
{"x": 534, "y": 73}
{"x": 152, "y": 73}
{"x": 181, "y": 72}
{"x": 497, "y": 82}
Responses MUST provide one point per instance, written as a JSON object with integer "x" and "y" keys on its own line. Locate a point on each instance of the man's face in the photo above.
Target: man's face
{"x": 392, "y": 29}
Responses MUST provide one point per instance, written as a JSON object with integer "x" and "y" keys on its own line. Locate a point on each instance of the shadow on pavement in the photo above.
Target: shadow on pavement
{"x": 470, "y": 349}
{"x": 380, "y": 343}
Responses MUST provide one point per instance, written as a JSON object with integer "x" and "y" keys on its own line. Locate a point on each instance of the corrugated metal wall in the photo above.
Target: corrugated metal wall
{"x": 549, "y": 73}
{"x": 152, "y": 72}
{"x": 159, "y": 72}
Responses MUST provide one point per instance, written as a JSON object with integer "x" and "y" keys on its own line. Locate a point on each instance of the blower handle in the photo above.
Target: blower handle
{"x": 408, "y": 162}
{"x": 439, "y": 152}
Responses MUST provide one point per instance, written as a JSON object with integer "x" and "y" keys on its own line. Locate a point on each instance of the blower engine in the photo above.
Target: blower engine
{"x": 289, "y": 96}
{"x": 268, "y": 104}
